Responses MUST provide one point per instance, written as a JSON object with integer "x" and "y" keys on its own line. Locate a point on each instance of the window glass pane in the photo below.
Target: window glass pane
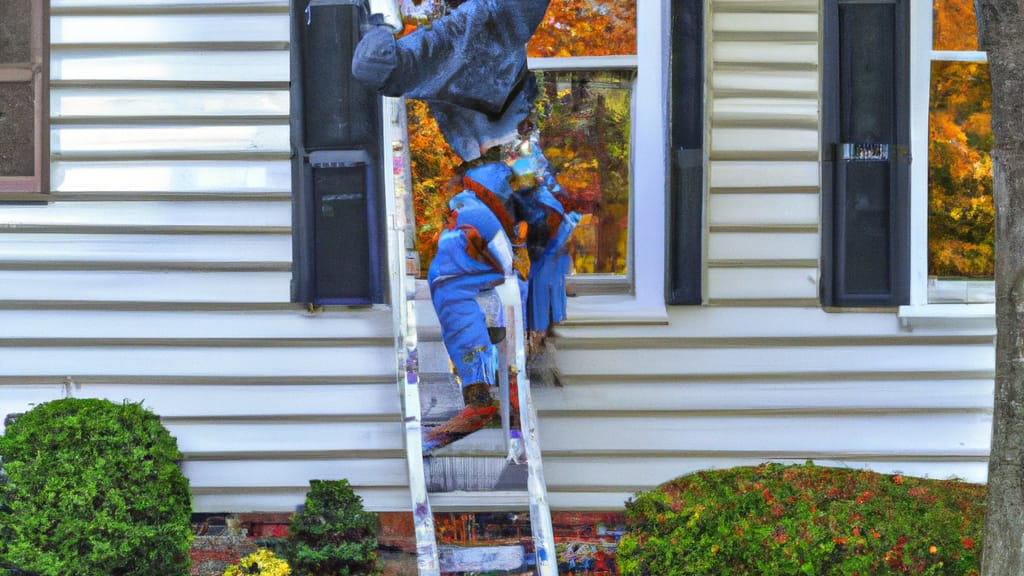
{"x": 17, "y": 129}
{"x": 961, "y": 215}
{"x": 586, "y": 28}
{"x": 585, "y": 133}
{"x": 584, "y": 120}
{"x": 569, "y": 28}
{"x": 955, "y": 25}
{"x": 15, "y": 31}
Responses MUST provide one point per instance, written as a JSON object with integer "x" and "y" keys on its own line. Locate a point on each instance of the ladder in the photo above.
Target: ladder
{"x": 521, "y": 444}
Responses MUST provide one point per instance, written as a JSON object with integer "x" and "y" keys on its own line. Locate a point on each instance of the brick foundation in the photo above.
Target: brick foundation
{"x": 585, "y": 541}
{"x": 211, "y": 555}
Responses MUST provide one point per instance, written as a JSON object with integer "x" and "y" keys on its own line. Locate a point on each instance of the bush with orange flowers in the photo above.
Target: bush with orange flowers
{"x": 806, "y": 519}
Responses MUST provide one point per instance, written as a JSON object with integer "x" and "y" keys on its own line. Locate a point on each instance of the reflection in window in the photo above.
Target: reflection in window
{"x": 432, "y": 165}
{"x": 584, "y": 120}
{"x": 954, "y": 25}
{"x": 961, "y": 215}
{"x": 588, "y": 28}
{"x": 570, "y": 27}
{"x": 585, "y": 133}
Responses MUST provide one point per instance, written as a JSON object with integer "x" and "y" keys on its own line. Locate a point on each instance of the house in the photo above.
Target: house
{"x": 769, "y": 311}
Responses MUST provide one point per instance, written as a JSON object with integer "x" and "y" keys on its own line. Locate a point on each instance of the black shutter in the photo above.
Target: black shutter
{"x": 686, "y": 191}
{"x": 865, "y": 172}
{"x": 339, "y": 254}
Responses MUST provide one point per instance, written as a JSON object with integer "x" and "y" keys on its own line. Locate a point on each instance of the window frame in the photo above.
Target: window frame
{"x": 643, "y": 299}
{"x": 926, "y": 300}
{"x": 601, "y": 283}
{"x": 37, "y": 70}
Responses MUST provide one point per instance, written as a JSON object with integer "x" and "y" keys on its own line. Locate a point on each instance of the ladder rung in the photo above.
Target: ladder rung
{"x": 452, "y": 473}
{"x": 496, "y": 501}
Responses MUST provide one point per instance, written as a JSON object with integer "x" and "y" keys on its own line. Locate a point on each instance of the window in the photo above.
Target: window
{"x": 586, "y": 58}
{"x": 953, "y": 230}
{"x": 585, "y": 133}
{"x": 24, "y": 109}
{"x": 609, "y": 136}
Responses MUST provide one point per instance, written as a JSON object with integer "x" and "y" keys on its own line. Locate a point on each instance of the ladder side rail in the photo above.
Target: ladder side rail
{"x": 403, "y": 306}
{"x": 540, "y": 510}
{"x": 504, "y": 389}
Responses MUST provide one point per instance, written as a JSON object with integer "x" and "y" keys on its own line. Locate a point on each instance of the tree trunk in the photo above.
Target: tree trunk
{"x": 1001, "y": 26}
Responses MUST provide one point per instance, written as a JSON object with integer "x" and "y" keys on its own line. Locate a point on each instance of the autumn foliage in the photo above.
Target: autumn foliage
{"x": 961, "y": 214}
{"x": 586, "y": 28}
{"x": 805, "y": 519}
{"x": 432, "y": 164}
{"x": 584, "y": 121}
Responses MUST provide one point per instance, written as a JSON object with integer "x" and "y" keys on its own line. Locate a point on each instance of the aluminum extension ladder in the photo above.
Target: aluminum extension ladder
{"x": 512, "y": 368}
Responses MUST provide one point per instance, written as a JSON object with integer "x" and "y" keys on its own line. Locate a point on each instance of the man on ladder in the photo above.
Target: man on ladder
{"x": 470, "y": 67}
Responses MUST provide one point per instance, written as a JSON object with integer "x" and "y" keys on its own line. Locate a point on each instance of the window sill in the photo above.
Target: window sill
{"x": 613, "y": 309}
{"x": 952, "y": 316}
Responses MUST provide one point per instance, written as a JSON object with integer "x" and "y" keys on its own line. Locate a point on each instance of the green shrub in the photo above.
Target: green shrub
{"x": 332, "y": 535}
{"x": 94, "y": 489}
{"x": 775, "y": 519}
{"x": 5, "y": 569}
{"x": 273, "y": 544}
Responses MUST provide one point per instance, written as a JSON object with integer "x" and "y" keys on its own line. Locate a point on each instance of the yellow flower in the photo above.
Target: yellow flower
{"x": 262, "y": 562}
{"x": 933, "y": 550}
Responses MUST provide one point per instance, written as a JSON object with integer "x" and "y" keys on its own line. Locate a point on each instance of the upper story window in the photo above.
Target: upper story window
{"x": 24, "y": 149}
{"x": 960, "y": 210}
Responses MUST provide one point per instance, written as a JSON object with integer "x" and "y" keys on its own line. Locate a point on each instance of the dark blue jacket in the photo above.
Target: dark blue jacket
{"x": 470, "y": 65}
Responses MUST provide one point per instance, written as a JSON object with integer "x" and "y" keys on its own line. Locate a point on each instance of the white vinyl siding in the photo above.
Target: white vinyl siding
{"x": 763, "y": 174}
{"x": 159, "y": 270}
{"x": 723, "y": 386}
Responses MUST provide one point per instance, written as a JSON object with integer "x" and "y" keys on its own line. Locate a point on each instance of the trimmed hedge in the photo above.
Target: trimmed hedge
{"x": 93, "y": 489}
{"x": 775, "y": 519}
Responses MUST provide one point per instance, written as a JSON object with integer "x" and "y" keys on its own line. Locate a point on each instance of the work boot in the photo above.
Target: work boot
{"x": 479, "y": 410}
